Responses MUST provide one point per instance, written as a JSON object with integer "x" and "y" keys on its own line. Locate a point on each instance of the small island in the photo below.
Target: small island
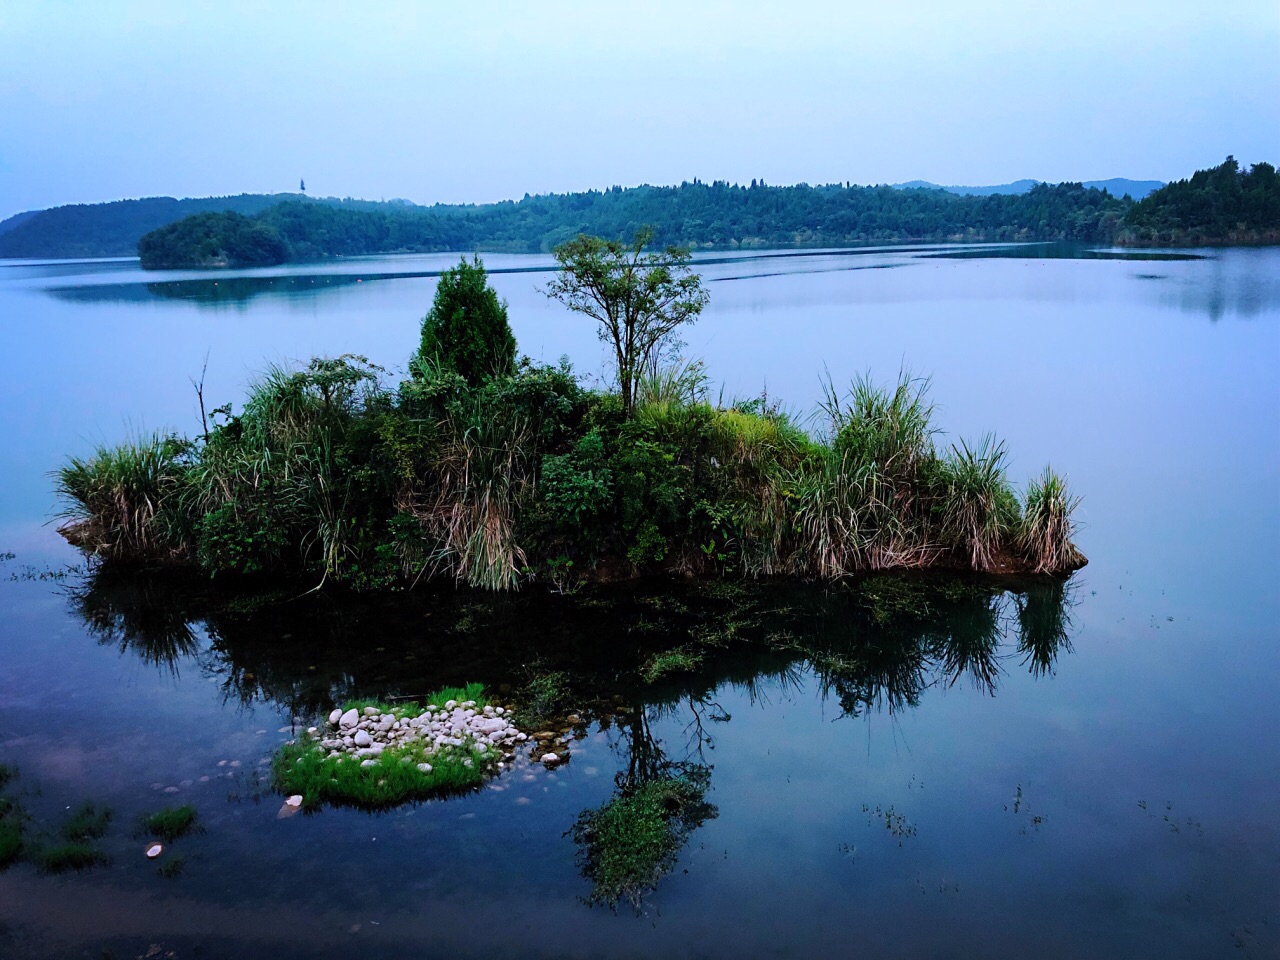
{"x": 500, "y": 472}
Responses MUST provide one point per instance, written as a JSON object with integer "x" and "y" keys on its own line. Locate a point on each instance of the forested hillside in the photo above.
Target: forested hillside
{"x": 699, "y": 215}
{"x": 1225, "y": 204}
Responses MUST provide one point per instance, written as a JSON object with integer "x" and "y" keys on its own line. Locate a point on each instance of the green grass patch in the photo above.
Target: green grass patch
{"x": 87, "y": 823}
{"x": 679, "y": 660}
{"x": 414, "y": 708}
{"x": 304, "y": 767}
{"x": 70, "y": 856}
{"x": 169, "y": 824}
{"x": 628, "y": 845}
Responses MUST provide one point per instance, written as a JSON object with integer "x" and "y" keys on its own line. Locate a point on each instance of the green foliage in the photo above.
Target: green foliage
{"x": 638, "y": 299}
{"x": 226, "y": 239}
{"x": 678, "y": 660}
{"x": 1224, "y": 204}
{"x": 628, "y": 845}
{"x": 546, "y": 697}
{"x": 467, "y": 330}
{"x": 113, "y": 229}
{"x": 170, "y": 823}
{"x": 577, "y": 489}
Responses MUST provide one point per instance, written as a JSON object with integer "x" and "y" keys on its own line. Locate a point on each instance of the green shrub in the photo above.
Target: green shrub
{"x": 577, "y": 488}
{"x": 467, "y": 330}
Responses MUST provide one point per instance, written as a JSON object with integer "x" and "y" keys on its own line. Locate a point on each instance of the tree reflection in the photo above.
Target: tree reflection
{"x": 628, "y": 844}
{"x": 137, "y": 615}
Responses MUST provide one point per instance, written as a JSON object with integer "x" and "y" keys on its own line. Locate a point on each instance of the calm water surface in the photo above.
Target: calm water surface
{"x": 1116, "y": 795}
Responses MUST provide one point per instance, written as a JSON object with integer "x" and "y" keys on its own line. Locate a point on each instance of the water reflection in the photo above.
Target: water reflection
{"x": 877, "y": 644}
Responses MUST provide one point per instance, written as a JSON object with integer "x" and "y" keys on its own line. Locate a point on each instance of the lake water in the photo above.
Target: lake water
{"x": 1117, "y": 794}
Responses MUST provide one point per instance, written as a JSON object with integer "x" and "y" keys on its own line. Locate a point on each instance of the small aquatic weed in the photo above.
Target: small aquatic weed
{"x": 630, "y": 843}
{"x": 71, "y": 856}
{"x": 10, "y": 839}
{"x": 87, "y": 823}
{"x": 679, "y": 660}
{"x": 170, "y": 823}
{"x": 172, "y": 868}
{"x": 7, "y": 775}
{"x": 896, "y": 823}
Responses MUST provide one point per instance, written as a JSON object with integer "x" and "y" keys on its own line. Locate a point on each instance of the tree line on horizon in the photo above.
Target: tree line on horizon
{"x": 1223, "y": 204}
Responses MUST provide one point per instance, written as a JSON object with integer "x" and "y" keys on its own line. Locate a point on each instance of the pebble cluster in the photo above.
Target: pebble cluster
{"x": 366, "y": 734}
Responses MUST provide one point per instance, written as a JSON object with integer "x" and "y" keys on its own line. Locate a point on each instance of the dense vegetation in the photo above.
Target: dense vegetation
{"x": 523, "y": 474}
{"x": 696, "y": 214}
{"x": 1225, "y": 204}
{"x": 226, "y": 239}
{"x": 112, "y": 229}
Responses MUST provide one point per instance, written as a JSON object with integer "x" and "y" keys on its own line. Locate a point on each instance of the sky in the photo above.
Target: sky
{"x": 483, "y": 101}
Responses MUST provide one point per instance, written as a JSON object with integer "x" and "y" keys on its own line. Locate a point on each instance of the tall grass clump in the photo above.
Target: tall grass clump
{"x": 1044, "y": 540}
{"x": 122, "y": 502}
{"x": 979, "y": 508}
{"x": 484, "y": 472}
{"x": 862, "y": 503}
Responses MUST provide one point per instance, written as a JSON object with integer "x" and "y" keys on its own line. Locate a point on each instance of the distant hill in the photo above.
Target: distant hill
{"x": 716, "y": 215}
{"x": 17, "y": 218}
{"x": 114, "y": 229}
{"x": 1117, "y": 187}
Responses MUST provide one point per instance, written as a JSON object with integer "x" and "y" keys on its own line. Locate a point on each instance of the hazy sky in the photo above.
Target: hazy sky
{"x": 472, "y": 101}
